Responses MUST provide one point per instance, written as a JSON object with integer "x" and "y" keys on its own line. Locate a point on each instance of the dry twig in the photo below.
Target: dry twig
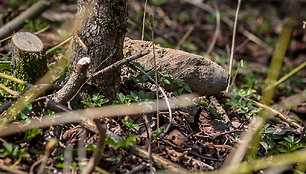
{"x": 48, "y": 150}
{"x": 18, "y": 22}
{"x": 233, "y": 46}
{"x": 139, "y": 168}
{"x": 120, "y": 63}
{"x": 217, "y": 31}
{"x": 98, "y": 154}
{"x": 11, "y": 170}
{"x": 92, "y": 113}
{"x": 144, "y": 19}
{"x": 149, "y": 141}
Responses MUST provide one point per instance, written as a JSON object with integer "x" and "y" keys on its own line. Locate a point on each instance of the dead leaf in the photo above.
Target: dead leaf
{"x": 177, "y": 138}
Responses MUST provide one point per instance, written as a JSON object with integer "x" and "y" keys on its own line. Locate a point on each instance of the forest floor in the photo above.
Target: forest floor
{"x": 201, "y": 136}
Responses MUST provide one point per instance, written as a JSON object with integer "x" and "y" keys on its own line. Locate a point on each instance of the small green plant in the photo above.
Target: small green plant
{"x": 59, "y": 155}
{"x": 34, "y": 25}
{"x": 29, "y": 135}
{"x": 291, "y": 144}
{"x": 5, "y": 66}
{"x": 91, "y": 147}
{"x": 74, "y": 165}
{"x": 133, "y": 97}
{"x": 242, "y": 106}
{"x": 211, "y": 17}
{"x": 250, "y": 80}
{"x": 116, "y": 158}
{"x": 220, "y": 59}
{"x": 183, "y": 15}
{"x": 212, "y": 110}
{"x": 136, "y": 16}
{"x": 159, "y": 131}
{"x": 166, "y": 79}
{"x": 12, "y": 150}
{"x": 158, "y": 2}
{"x": 271, "y": 41}
{"x": 129, "y": 141}
{"x": 163, "y": 42}
{"x": 57, "y": 51}
{"x": 264, "y": 27}
{"x": 296, "y": 119}
{"x": 24, "y": 114}
{"x": 122, "y": 99}
{"x": 63, "y": 74}
{"x": 248, "y": 93}
{"x": 48, "y": 112}
{"x": 17, "y": 3}
{"x": 129, "y": 124}
{"x": 4, "y": 93}
{"x": 289, "y": 85}
{"x": 141, "y": 97}
{"x": 268, "y": 140}
{"x": 190, "y": 47}
{"x": 248, "y": 17}
{"x": 96, "y": 100}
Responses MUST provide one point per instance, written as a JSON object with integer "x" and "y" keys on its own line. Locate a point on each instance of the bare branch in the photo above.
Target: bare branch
{"x": 213, "y": 42}
{"x": 76, "y": 80}
{"x": 96, "y": 157}
{"x": 120, "y": 63}
{"x": 91, "y": 113}
{"x": 10, "y": 169}
{"x": 18, "y": 22}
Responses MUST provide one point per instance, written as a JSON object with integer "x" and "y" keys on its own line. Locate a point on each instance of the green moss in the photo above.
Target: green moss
{"x": 30, "y": 66}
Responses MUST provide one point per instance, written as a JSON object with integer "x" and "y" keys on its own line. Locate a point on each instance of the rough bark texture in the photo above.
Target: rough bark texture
{"x": 201, "y": 74}
{"x": 28, "y": 62}
{"x": 100, "y": 26}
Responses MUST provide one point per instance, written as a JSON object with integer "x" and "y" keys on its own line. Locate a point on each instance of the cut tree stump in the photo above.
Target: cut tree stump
{"x": 28, "y": 62}
{"x": 201, "y": 74}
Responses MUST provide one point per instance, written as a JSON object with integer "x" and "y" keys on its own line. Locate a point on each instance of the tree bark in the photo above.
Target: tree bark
{"x": 99, "y": 34}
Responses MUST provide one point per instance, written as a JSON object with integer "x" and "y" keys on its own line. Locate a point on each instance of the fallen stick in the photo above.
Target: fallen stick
{"x": 18, "y": 22}
{"x": 75, "y": 82}
{"x": 157, "y": 160}
{"x": 96, "y": 157}
{"x": 92, "y": 113}
{"x": 11, "y": 169}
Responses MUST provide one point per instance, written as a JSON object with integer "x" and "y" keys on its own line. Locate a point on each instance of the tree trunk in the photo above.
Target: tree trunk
{"x": 99, "y": 34}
